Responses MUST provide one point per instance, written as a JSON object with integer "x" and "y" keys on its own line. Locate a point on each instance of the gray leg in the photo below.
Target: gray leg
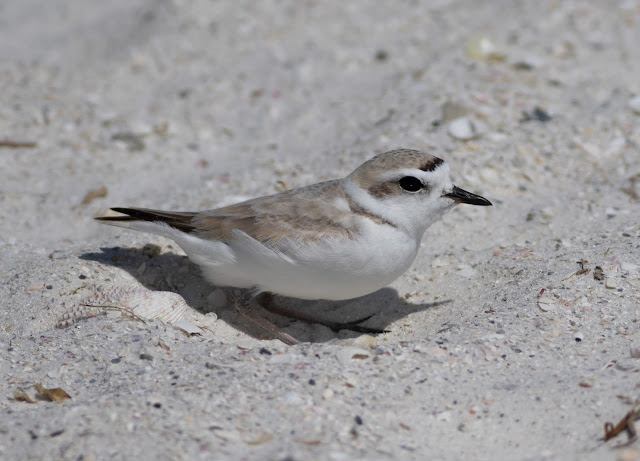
{"x": 247, "y": 307}
{"x": 266, "y": 300}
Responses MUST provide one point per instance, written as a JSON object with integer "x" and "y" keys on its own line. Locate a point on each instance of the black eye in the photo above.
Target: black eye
{"x": 411, "y": 184}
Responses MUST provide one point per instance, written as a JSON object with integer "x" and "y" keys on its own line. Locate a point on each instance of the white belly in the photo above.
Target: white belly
{"x": 331, "y": 270}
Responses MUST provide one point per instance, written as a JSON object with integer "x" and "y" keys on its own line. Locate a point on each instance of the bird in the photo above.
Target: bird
{"x": 334, "y": 240}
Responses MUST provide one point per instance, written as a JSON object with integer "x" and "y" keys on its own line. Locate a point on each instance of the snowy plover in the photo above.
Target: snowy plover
{"x": 333, "y": 240}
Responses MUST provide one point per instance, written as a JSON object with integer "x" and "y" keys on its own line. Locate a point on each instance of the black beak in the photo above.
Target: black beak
{"x": 462, "y": 196}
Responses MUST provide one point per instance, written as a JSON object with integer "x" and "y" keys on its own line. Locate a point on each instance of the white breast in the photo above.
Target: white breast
{"x": 335, "y": 269}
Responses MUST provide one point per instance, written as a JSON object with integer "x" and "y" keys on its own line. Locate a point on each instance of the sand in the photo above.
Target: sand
{"x": 515, "y": 333}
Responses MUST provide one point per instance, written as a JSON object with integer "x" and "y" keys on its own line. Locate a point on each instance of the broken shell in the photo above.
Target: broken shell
{"x": 166, "y": 306}
{"x": 546, "y": 304}
{"x": 189, "y": 328}
{"x": 141, "y": 303}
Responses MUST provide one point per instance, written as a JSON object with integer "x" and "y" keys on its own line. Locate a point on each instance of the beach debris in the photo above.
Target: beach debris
{"x": 348, "y": 354}
{"x": 262, "y": 438}
{"x": 528, "y": 63}
{"x": 18, "y": 144}
{"x": 582, "y": 271}
{"x": 382, "y": 55}
{"x": 545, "y": 302}
{"x": 36, "y": 286}
{"x": 625, "y": 424}
{"x": 610, "y": 283}
{"x": 131, "y": 141}
{"x": 187, "y": 327}
{"x": 21, "y": 396}
{"x": 55, "y": 394}
{"x": 598, "y": 273}
{"x": 138, "y": 303}
{"x": 482, "y": 48}
{"x": 537, "y": 114}
{"x": 94, "y": 194}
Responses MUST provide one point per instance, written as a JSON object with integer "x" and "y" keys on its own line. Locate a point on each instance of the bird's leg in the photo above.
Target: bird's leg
{"x": 266, "y": 300}
{"x": 246, "y": 305}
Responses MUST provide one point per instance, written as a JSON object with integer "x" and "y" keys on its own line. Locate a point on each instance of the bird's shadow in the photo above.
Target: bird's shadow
{"x": 174, "y": 272}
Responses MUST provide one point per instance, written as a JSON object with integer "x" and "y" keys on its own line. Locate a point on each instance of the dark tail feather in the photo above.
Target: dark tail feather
{"x": 181, "y": 220}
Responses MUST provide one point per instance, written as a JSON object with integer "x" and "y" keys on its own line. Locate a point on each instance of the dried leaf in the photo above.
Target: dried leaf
{"x": 55, "y": 394}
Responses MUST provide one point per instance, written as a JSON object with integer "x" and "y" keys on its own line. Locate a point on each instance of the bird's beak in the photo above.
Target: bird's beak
{"x": 462, "y": 196}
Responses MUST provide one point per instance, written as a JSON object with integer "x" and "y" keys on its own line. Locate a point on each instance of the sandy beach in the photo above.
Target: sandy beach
{"x": 514, "y": 335}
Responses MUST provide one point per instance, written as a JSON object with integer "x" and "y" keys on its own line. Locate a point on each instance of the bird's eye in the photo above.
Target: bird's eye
{"x": 410, "y": 184}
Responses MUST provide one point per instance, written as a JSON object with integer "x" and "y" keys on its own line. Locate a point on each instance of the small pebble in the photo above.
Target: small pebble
{"x": 482, "y": 48}
{"x": 628, "y": 267}
{"x": 131, "y": 141}
{"x": 536, "y": 114}
{"x": 610, "y": 284}
{"x": 188, "y": 327}
{"x": 528, "y": 63}
{"x": 463, "y": 128}
{"x": 148, "y": 357}
{"x": 579, "y": 336}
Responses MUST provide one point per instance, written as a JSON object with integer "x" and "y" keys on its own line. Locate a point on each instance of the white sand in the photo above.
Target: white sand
{"x": 189, "y": 104}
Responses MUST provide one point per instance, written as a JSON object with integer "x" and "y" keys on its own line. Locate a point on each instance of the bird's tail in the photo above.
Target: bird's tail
{"x": 147, "y": 220}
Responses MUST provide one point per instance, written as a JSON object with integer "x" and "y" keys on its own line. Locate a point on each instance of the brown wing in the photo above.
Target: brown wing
{"x": 304, "y": 214}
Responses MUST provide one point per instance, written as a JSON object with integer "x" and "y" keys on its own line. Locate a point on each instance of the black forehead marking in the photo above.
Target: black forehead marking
{"x": 432, "y": 164}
